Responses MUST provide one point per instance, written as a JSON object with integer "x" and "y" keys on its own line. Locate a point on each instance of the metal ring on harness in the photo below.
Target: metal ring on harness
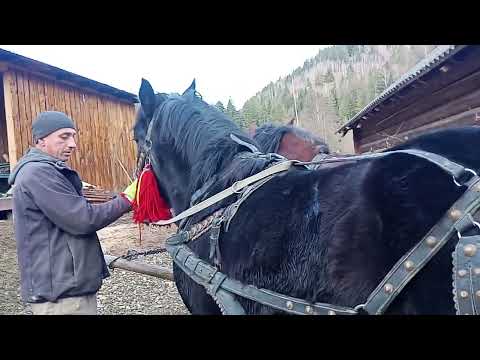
{"x": 476, "y": 223}
{"x": 359, "y": 307}
{"x": 147, "y": 160}
{"x": 467, "y": 170}
{"x": 235, "y": 186}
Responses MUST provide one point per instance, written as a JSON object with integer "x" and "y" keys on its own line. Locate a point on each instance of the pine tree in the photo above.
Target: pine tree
{"x": 235, "y": 115}
{"x": 219, "y": 106}
{"x": 381, "y": 81}
{"x": 253, "y": 112}
{"x": 329, "y": 76}
{"x": 319, "y": 80}
{"x": 371, "y": 87}
{"x": 333, "y": 100}
{"x": 231, "y": 110}
{"x": 352, "y": 104}
{"x": 350, "y": 50}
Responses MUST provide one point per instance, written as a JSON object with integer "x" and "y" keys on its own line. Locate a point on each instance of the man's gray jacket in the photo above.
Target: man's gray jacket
{"x": 59, "y": 254}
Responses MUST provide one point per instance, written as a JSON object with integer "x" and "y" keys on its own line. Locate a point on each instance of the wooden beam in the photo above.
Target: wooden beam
{"x": 7, "y": 94}
{"x": 6, "y": 204}
{"x": 139, "y": 267}
{"x": 421, "y": 82}
{"x": 357, "y": 140}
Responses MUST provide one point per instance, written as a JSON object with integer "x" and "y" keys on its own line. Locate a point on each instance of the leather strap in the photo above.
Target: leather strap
{"x": 249, "y": 146}
{"x": 214, "y": 280}
{"x": 415, "y": 259}
{"x": 456, "y": 170}
{"x": 235, "y": 188}
{"x": 466, "y": 275}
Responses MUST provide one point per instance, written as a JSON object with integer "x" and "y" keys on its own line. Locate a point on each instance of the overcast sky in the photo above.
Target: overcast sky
{"x": 221, "y": 71}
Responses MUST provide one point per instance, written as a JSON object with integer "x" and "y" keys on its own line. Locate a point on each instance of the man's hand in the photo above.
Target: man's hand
{"x": 131, "y": 191}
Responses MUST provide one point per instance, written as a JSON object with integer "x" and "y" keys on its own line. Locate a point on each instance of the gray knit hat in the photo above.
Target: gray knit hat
{"x": 49, "y": 121}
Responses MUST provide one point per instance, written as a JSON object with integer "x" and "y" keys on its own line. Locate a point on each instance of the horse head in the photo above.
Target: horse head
{"x": 290, "y": 141}
{"x": 170, "y": 170}
{"x": 186, "y": 138}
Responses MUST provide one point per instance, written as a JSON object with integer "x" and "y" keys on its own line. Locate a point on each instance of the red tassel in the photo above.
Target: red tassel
{"x": 149, "y": 205}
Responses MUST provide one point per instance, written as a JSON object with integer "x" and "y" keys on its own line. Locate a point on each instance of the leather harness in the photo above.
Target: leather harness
{"x": 456, "y": 221}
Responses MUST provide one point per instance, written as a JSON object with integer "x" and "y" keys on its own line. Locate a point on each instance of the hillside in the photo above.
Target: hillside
{"x": 329, "y": 88}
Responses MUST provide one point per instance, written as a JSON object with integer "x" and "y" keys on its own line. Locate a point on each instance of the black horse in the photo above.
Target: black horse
{"x": 289, "y": 141}
{"x": 328, "y": 235}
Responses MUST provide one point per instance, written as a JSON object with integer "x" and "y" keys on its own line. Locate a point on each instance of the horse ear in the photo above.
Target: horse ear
{"x": 147, "y": 98}
{"x": 191, "y": 88}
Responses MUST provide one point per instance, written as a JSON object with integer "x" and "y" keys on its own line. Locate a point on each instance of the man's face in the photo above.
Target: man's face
{"x": 59, "y": 144}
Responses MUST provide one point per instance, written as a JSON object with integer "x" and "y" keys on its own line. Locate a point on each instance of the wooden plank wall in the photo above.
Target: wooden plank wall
{"x": 104, "y": 126}
{"x": 392, "y": 136}
{"x": 459, "y": 106}
{"x": 3, "y": 124}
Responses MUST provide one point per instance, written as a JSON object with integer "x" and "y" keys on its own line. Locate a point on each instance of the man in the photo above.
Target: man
{"x": 59, "y": 255}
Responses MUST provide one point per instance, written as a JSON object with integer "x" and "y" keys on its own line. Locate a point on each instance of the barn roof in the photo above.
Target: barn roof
{"x": 61, "y": 75}
{"x": 432, "y": 61}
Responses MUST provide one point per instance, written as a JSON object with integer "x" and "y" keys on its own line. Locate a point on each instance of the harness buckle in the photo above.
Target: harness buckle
{"x": 148, "y": 145}
{"x": 235, "y": 187}
{"x": 467, "y": 170}
{"x": 465, "y": 224}
{"x": 214, "y": 237}
{"x": 475, "y": 223}
{"x": 359, "y": 307}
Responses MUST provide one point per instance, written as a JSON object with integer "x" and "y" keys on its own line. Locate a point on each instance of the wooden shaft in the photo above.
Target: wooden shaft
{"x": 140, "y": 267}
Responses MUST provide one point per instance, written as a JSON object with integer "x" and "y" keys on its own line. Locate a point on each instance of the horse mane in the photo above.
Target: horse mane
{"x": 270, "y": 136}
{"x": 200, "y": 134}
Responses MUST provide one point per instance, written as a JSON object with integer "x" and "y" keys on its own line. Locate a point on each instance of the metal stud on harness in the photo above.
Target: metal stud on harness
{"x": 466, "y": 268}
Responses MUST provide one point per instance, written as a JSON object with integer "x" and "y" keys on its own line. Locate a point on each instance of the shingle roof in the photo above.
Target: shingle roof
{"x": 431, "y": 61}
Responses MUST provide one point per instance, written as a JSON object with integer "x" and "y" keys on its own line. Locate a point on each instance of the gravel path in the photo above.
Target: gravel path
{"x": 10, "y": 302}
{"x": 123, "y": 293}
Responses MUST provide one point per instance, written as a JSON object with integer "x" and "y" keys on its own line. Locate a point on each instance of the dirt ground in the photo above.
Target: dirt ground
{"x": 10, "y": 302}
{"x": 123, "y": 235}
{"x": 115, "y": 239}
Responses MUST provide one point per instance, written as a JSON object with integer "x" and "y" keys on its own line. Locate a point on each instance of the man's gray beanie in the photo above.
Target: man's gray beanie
{"x": 49, "y": 121}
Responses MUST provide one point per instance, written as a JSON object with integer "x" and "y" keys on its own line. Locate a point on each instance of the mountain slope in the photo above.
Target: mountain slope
{"x": 330, "y": 88}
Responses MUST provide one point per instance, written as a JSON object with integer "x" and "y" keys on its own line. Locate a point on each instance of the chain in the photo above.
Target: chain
{"x": 133, "y": 254}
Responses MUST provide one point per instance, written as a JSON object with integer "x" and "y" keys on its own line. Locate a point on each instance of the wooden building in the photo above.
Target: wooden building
{"x": 103, "y": 115}
{"x": 442, "y": 90}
